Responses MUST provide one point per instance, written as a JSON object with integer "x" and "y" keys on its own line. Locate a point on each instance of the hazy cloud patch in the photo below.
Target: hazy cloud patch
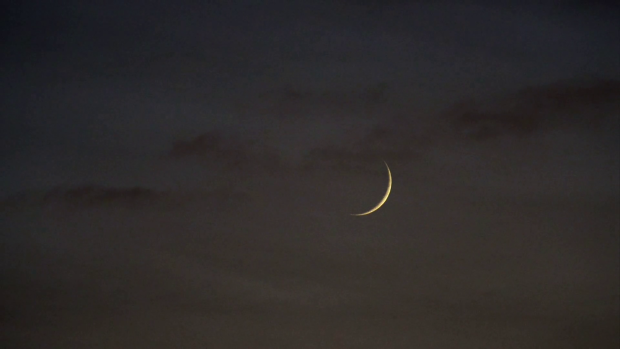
{"x": 99, "y": 196}
{"x": 503, "y": 131}
{"x": 537, "y": 109}
{"x": 379, "y": 144}
{"x": 232, "y": 153}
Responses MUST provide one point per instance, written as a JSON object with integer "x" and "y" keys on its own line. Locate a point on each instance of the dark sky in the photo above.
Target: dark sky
{"x": 181, "y": 174}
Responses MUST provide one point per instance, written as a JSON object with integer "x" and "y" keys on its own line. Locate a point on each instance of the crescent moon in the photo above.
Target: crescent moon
{"x": 385, "y": 197}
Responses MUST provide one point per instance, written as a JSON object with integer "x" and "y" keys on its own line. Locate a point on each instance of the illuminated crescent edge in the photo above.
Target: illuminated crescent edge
{"x": 385, "y": 197}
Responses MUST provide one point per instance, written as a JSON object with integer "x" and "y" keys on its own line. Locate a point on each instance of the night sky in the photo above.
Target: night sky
{"x": 181, "y": 174}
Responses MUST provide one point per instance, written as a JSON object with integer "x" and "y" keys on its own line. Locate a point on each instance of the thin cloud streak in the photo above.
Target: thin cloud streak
{"x": 532, "y": 111}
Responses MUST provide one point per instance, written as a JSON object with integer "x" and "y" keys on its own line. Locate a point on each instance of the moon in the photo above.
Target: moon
{"x": 385, "y": 197}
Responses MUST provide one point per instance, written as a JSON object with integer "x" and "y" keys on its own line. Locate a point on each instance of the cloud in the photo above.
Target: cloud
{"x": 533, "y": 110}
{"x": 85, "y": 196}
{"x": 230, "y": 152}
{"x": 93, "y": 195}
{"x": 99, "y": 196}
{"x": 537, "y": 109}
{"x": 381, "y": 143}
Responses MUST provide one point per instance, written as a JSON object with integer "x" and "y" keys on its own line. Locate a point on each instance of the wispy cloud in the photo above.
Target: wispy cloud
{"x": 99, "y": 196}
{"x": 230, "y": 152}
{"x": 537, "y": 109}
{"x": 85, "y": 196}
{"x": 528, "y": 112}
{"x": 92, "y": 195}
{"x": 380, "y": 143}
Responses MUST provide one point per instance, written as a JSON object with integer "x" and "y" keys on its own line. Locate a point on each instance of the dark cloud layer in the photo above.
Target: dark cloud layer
{"x": 231, "y": 152}
{"x": 89, "y": 196}
{"x": 586, "y": 106}
{"x": 127, "y": 198}
{"x": 531, "y": 111}
{"x": 380, "y": 144}
{"x": 538, "y": 109}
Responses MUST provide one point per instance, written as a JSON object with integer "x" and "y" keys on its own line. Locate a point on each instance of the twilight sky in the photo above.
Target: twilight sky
{"x": 180, "y": 175}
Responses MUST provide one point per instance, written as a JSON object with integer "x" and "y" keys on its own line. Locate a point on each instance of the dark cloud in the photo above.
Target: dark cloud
{"x": 230, "y": 152}
{"x": 380, "y": 144}
{"x": 529, "y": 111}
{"x": 93, "y": 195}
{"x": 538, "y": 109}
{"x": 99, "y": 196}
{"x": 85, "y": 196}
